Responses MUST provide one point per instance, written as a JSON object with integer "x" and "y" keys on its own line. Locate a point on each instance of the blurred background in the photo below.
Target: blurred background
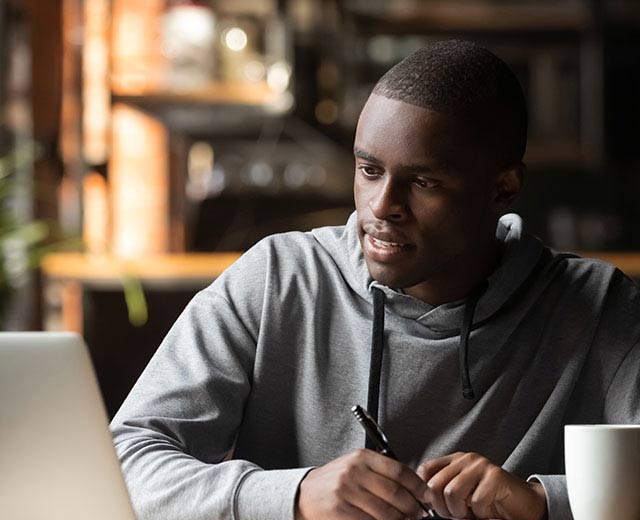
{"x": 144, "y": 144}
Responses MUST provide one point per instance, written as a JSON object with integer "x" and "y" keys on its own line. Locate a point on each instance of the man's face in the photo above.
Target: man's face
{"x": 424, "y": 195}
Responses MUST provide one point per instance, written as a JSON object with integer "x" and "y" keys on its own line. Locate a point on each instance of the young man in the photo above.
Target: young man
{"x": 471, "y": 342}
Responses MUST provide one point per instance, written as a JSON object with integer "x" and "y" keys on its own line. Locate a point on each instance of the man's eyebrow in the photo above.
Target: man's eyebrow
{"x": 361, "y": 154}
{"x": 408, "y": 168}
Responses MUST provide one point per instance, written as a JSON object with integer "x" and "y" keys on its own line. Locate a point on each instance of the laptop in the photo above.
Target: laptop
{"x": 57, "y": 460}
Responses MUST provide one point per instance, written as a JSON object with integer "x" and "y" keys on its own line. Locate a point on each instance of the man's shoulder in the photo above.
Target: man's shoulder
{"x": 293, "y": 246}
{"x": 592, "y": 294}
{"x": 290, "y": 241}
{"x": 293, "y": 252}
{"x": 600, "y": 280}
{"x": 585, "y": 267}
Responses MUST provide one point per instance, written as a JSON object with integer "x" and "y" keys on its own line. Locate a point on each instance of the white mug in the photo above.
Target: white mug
{"x": 602, "y": 464}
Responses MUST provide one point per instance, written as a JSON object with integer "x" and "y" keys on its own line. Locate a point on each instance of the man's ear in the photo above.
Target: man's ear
{"x": 507, "y": 186}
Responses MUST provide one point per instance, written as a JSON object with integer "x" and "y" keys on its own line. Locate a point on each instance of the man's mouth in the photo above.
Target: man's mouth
{"x": 389, "y": 250}
{"x": 386, "y": 244}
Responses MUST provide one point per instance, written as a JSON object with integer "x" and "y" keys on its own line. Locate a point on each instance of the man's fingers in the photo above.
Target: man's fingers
{"x": 428, "y": 469}
{"x": 450, "y": 488}
{"x": 395, "y": 495}
{"x": 352, "y": 512}
{"x": 395, "y": 472}
{"x": 468, "y": 485}
{"x": 436, "y": 483}
{"x": 380, "y": 507}
{"x": 457, "y": 495}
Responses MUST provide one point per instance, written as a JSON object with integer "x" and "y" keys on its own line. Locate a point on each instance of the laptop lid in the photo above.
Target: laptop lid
{"x": 57, "y": 459}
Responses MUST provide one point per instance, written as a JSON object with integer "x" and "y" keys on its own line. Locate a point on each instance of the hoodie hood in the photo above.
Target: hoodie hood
{"x": 520, "y": 254}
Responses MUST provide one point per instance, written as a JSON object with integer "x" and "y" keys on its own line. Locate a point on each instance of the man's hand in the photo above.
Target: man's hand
{"x": 361, "y": 485}
{"x": 467, "y": 485}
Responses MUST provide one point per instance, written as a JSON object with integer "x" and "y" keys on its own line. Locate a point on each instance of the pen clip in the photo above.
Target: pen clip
{"x": 379, "y": 431}
{"x": 374, "y": 431}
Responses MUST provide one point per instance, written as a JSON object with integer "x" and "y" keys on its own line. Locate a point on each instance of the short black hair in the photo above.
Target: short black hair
{"x": 463, "y": 78}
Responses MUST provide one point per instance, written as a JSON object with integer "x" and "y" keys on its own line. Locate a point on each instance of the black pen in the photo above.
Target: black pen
{"x": 377, "y": 436}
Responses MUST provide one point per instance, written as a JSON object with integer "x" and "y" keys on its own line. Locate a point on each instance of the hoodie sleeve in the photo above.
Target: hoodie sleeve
{"x": 622, "y": 404}
{"x": 555, "y": 488}
{"x": 179, "y": 423}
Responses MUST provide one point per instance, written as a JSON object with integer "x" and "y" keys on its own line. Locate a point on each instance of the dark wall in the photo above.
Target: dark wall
{"x": 119, "y": 350}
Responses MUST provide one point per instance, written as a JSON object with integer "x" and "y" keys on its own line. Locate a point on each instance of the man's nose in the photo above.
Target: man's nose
{"x": 390, "y": 202}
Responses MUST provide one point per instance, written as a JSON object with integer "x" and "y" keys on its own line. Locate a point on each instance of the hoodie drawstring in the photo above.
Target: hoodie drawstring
{"x": 375, "y": 368}
{"x": 463, "y": 347}
{"x": 377, "y": 346}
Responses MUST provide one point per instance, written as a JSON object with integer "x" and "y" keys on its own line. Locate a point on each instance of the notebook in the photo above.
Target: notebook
{"x": 57, "y": 459}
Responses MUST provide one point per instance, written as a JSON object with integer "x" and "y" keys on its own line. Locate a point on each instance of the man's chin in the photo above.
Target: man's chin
{"x": 395, "y": 278}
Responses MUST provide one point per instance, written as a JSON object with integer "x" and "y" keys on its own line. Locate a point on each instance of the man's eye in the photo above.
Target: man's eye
{"x": 425, "y": 183}
{"x": 368, "y": 171}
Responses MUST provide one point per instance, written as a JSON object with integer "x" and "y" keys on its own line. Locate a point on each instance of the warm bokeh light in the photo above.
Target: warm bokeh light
{"x": 316, "y": 176}
{"x": 295, "y": 175}
{"x": 278, "y": 76}
{"x": 200, "y": 170}
{"x": 188, "y": 40}
{"x": 95, "y": 217}
{"x": 139, "y": 178}
{"x": 96, "y": 97}
{"x": 259, "y": 174}
{"x": 327, "y": 111}
{"x": 136, "y": 53}
{"x": 254, "y": 71}
{"x": 235, "y": 38}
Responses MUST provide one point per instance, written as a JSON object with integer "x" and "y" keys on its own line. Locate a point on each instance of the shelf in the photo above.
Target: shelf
{"x": 476, "y": 16}
{"x": 219, "y": 108}
{"x": 75, "y": 271}
{"x": 208, "y": 266}
{"x": 257, "y": 94}
{"x": 192, "y": 268}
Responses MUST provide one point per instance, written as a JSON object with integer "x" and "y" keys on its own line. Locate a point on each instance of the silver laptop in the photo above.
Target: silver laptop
{"x": 57, "y": 459}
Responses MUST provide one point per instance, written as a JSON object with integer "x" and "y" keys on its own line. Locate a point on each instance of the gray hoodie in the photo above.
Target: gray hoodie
{"x": 268, "y": 360}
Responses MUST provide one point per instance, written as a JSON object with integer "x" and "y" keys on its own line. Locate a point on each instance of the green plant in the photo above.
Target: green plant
{"x": 19, "y": 237}
{"x": 23, "y": 241}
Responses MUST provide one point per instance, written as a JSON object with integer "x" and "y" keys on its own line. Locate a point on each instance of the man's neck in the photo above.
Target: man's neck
{"x": 460, "y": 282}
